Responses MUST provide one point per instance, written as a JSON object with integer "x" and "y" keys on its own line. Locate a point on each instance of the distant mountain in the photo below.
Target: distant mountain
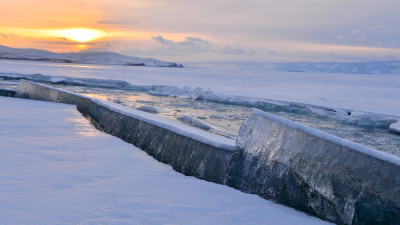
{"x": 371, "y": 67}
{"x": 107, "y": 58}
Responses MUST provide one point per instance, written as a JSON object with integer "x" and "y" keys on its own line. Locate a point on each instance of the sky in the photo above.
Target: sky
{"x": 208, "y": 30}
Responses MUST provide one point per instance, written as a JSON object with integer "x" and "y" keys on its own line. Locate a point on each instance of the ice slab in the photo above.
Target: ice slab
{"x": 315, "y": 172}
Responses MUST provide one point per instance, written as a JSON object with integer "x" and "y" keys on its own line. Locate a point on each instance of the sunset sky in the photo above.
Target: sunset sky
{"x": 208, "y": 30}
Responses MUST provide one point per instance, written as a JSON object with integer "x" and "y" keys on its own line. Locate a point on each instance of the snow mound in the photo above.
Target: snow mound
{"x": 194, "y": 121}
{"x": 355, "y": 118}
{"x": 153, "y": 109}
{"x": 106, "y": 58}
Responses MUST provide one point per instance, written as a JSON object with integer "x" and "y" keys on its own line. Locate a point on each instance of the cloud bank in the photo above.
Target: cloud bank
{"x": 199, "y": 45}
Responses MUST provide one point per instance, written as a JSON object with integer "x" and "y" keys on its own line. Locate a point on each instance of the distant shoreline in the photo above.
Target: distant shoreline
{"x": 75, "y": 62}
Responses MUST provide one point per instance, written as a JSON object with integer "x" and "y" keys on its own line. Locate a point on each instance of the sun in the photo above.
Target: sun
{"x": 80, "y": 34}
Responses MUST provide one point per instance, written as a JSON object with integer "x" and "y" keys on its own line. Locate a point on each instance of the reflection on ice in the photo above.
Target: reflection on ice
{"x": 116, "y": 98}
{"x": 83, "y": 127}
{"x": 92, "y": 95}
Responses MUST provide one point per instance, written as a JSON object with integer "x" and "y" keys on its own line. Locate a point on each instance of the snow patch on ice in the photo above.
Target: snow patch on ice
{"x": 194, "y": 121}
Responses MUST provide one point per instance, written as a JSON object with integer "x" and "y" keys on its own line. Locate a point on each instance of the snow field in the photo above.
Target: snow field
{"x": 56, "y": 168}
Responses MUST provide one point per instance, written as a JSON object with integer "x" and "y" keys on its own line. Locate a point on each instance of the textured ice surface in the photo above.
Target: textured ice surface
{"x": 57, "y": 169}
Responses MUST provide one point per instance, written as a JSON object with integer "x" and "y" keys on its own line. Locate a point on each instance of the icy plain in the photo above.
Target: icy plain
{"x": 56, "y": 168}
{"x": 377, "y": 93}
{"x": 363, "y": 108}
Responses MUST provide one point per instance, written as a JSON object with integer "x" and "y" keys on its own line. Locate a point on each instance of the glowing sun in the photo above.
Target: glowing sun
{"x": 81, "y": 34}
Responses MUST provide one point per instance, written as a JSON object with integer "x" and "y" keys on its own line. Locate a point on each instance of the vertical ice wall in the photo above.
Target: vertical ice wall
{"x": 315, "y": 172}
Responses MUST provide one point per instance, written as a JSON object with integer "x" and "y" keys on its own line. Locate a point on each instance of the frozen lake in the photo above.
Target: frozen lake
{"x": 356, "y": 107}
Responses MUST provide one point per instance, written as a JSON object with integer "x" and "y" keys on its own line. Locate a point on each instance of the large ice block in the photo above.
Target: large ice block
{"x": 315, "y": 172}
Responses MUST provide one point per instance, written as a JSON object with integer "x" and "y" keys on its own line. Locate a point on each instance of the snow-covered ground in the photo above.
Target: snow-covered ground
{"x": 56, "y": 168}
